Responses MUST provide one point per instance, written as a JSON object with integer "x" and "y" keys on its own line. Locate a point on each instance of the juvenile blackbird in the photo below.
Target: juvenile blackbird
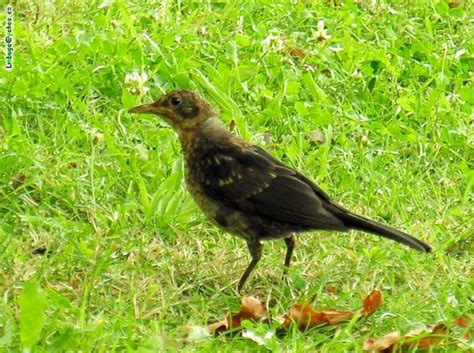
{"x": 246, "y": 191}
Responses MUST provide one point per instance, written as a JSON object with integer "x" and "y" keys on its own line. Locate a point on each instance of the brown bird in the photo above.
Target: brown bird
{"x": 246, "y": 191}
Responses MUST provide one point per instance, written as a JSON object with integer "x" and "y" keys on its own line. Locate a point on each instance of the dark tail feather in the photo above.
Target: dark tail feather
{"x": 361, "y": 223}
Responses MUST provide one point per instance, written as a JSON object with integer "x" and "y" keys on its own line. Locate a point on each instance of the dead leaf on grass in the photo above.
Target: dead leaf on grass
{"x": 382, "y": 344}
{"x": 464, "y": 322}
{"x": 306, "y": 317}
{"x": 434, "y": 335}
{"x": 252, "y": 309}
{"x": 293, "y": 51}
{"x": 373, "y": 301}
{"x": 416, "y": 338}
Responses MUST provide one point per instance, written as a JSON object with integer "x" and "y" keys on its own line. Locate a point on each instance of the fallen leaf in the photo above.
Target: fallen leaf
{"x": 252, "y": 309}
{"x": 301, "y": 314}
{"x": 463, "y": 321}
{"x": 433, "y": 337}
{"x": 218, "y": 327}
{"x": 306, "y": 317}
{"x": 426, "y": 338}
{"x": 381, "y": 344}
{"x": 333, "y": 317}
{"x": 295, "y": 52}
{"x": 373, "y": 301}
{"x": 290, "y": 49}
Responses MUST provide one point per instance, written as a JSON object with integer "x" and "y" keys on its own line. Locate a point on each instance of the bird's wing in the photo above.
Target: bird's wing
{"x": 321, "y": 194}
{"x": 255, "y": 183}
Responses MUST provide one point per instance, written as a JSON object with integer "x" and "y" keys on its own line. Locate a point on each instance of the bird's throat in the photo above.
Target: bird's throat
{"x": 209, "y": 131}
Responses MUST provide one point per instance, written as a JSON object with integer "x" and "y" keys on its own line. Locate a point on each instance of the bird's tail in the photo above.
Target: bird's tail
{"x": 354, "y": 221}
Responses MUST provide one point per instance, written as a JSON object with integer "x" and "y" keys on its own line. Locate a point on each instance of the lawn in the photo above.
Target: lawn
{"x": 101, "y": 247}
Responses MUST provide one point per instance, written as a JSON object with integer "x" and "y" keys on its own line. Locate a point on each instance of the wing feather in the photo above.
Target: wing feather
{"x": 254, "y": 182}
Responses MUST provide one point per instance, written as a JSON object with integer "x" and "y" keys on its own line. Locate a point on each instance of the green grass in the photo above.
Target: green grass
{"x": 95, "y": 218}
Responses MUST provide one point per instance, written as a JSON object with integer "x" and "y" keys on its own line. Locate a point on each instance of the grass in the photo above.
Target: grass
{"x": 101, "y": 247}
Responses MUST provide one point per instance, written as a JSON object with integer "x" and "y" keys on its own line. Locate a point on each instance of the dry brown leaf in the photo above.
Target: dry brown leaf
{"x": 295, "y": 52}
{"x": 306, "y": 317}
{"x": 463, "y": 321}
{"x": 301, "y": 314}
{"x": 373, "y": 301}
{"x": 218, "y": 327}
{"x": 382, "y": 344}
{"x": 252, "y": 309}
{"x": 434, "y": 337}
{"x": 427, "y": 338}
{"x": 333, "y": 317}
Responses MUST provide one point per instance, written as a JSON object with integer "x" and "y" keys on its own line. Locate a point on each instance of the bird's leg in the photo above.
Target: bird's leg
{"x": 255, "y": 249}
{"x": 290, "y": 245}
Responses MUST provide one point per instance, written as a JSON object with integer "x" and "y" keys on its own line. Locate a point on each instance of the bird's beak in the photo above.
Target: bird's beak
{"x": 149, "y": 108}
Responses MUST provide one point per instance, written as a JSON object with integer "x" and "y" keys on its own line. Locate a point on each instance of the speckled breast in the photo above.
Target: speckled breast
{"x": 220, "y": 215}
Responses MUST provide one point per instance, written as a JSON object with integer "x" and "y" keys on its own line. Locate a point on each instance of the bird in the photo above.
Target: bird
{"x": 244, "y": 190}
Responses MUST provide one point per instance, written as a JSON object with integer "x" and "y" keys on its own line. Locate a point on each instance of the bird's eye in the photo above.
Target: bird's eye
{"x": 175, "y": 101}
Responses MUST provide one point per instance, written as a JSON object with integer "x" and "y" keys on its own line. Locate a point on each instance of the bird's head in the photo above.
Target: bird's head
{"x": 182, "y": 109}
